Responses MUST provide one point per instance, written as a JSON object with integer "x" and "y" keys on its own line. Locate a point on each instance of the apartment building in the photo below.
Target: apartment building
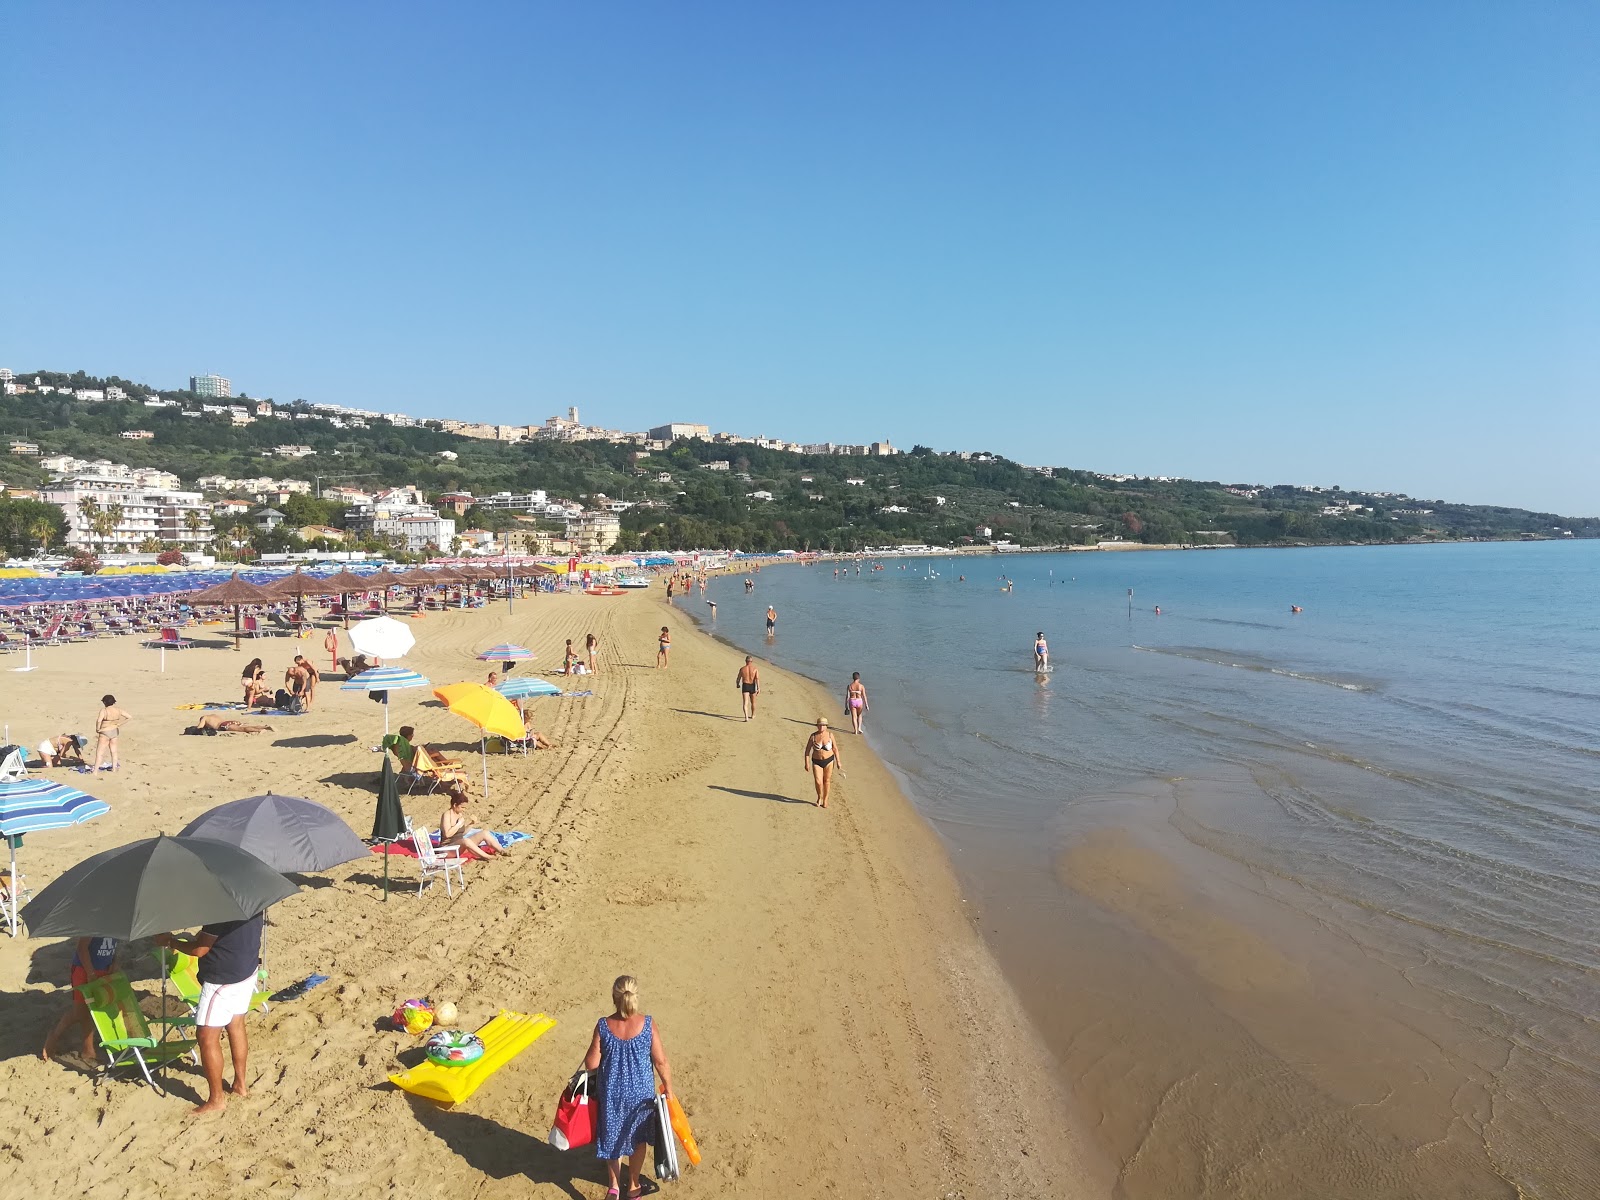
{"x": 210, "y": 385}
{"x": 147, "y": 512}
{"x": 594, "y": 532}
{"x": 679, "y": 429}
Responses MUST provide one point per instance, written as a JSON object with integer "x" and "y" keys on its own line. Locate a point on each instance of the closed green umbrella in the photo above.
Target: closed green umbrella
{"x": 155, "y": 886}
{"x": 389, "y": 822}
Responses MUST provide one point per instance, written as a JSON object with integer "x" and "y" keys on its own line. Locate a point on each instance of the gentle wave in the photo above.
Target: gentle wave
{"x": 1221, "y": 658}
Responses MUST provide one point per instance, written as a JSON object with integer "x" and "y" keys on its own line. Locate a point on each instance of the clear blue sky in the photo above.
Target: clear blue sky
{"x": 1348, "y": 243}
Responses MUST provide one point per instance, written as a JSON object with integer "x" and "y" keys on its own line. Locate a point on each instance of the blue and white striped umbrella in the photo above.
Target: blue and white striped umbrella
{"x": 528, "y": 685}
{"x": 383, "y": 679}
{"x": 506, "y": 652}
{"x": 28, "y": 806}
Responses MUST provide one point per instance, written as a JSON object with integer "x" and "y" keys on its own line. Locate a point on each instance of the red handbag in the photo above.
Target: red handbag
{"x": 575, "y": 1116}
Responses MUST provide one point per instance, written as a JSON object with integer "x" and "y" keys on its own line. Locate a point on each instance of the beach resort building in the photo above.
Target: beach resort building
{"x": 210, "y": 385}
{"x": 145, "y": 512}
{"x": 594, "y": 532}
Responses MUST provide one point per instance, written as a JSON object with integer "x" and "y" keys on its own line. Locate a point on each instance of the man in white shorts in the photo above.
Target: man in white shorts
{"x": 230, "y": 955}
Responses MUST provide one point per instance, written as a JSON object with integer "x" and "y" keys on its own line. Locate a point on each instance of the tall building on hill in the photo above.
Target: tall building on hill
{"x": 680, "y": 429}
{"x": 210, "y": 385}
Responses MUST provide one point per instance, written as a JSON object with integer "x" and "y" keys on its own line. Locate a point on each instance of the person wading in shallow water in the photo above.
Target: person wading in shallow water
{"x": 748, "y": 681}
{"x": 855, "y": 700}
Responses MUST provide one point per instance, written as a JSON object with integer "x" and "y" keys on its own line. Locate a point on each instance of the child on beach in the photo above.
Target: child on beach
{"x": 91, "y": 958}
{"x": 663, "y": 647}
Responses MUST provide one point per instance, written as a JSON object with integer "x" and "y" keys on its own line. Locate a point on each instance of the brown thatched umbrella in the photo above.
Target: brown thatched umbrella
{"x": 235, "y": 591}
{"x": 300, "y": 585}
{"x": 347, "y": 583}
{"x": 383, "y": 579}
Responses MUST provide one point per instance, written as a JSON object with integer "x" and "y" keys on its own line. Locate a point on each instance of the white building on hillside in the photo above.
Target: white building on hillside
{"x": 146, "y": 512}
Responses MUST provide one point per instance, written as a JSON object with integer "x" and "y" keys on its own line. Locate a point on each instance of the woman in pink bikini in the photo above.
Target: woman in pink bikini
{"x": 855, "y": 700}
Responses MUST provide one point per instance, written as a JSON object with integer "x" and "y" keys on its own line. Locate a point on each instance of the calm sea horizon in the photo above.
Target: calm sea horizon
{"x": 1297, "y": 900}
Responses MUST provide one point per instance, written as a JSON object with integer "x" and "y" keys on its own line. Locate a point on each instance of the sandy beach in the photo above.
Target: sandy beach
{"x": 835, "y": 1024}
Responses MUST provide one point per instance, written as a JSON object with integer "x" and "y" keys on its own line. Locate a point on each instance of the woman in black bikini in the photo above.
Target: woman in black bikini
{"x": 822, "y": 756}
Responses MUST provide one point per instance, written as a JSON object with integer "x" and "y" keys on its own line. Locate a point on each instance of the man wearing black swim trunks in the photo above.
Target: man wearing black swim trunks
{"x": 748, "y": 681}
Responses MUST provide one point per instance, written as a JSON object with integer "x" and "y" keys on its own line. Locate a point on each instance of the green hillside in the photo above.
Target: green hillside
{"x": 947, "y": 499}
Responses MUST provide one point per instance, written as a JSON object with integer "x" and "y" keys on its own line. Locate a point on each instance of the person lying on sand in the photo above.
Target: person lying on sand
{"x": 215, "y": 723}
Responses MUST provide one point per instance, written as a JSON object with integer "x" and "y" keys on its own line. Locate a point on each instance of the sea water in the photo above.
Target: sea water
{"x": 1302, "y": 902}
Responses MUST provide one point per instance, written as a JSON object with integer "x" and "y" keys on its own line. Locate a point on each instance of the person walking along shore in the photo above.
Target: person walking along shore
{"x": 821, "y": 757}
{"x": 855, "y": 700}
{"x": 748, "y": 681}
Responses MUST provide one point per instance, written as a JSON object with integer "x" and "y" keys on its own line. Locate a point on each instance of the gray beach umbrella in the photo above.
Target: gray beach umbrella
{"x": 155, "y": 886}
{"x": 285, "y": 832}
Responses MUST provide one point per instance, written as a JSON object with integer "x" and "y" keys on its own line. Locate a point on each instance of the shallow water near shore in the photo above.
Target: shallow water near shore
{"x": 1301, "y": 903}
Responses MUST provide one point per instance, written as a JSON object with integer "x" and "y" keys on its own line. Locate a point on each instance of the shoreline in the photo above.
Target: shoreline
{"x": 833, "y": 1018}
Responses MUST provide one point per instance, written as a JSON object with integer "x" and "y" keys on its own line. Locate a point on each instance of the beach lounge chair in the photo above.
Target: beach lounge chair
{"x": 13, "y": 764}
{"x": 436, "y": 860}
{"x": 123, "y": 1032}
{"x": 252, "y": 628}
{"x": 505, "y": 1037}
{"x": 170, "y": 640}
{"x": 183, "y": 973}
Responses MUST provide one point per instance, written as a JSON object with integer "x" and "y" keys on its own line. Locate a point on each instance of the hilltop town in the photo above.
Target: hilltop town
{"x": 116, "y": 467}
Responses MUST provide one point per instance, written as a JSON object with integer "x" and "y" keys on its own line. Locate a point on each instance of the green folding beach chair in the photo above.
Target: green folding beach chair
{"x": 183, "y": 973}
{"x": 125, "y": 1035}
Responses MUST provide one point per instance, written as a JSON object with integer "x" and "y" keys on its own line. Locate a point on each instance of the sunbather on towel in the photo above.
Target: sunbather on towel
{"x": 454, "y": 823}
{"x": 214, "y": 723}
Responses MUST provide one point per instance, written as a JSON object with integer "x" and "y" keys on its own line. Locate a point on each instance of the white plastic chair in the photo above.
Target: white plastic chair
{"x": 14, "y": 766}
{"x": 436, "y": 860}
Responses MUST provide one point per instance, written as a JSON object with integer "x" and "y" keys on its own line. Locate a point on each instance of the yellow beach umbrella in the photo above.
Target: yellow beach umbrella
{"x": 487, "y": 709}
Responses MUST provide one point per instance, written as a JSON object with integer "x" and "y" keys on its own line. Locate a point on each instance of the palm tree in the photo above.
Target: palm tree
{"x": 89, "y": 512}
{"x": 45, "y": 530}
{"x": 191, "y": 523}
{"x": 240, "y": 536}
{"x": 113, "y": 518}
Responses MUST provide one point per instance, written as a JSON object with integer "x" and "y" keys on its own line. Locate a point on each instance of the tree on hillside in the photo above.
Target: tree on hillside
{"x": 89, "y": 510}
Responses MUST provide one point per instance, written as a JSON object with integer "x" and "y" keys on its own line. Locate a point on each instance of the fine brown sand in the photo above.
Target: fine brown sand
{"x": 834, "y": 1023}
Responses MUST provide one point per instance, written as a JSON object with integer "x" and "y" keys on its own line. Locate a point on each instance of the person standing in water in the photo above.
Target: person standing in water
{"x": 821, "y": 757}
{"x": 855, "y": 700}
{"x": 1041, "y": 652}
{"x": 772, "y": 620}
{"x": 748, "y": 681}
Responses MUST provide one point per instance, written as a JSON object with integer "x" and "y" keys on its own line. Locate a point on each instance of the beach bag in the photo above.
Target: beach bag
{"x": 666, "y": 1143}
{"x": 575, "y": 1117}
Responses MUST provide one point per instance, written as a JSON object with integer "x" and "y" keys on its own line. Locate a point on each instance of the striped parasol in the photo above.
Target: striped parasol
{"x": 528, "y": 685}
{"x": 506, "y": 652}
{"x": 385, "y": 680}
{"x": 31, "y": 805}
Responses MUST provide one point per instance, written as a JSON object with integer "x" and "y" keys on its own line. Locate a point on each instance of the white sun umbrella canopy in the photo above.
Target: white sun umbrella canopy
{"x": 385, "y": 680}
{"x": 383, "y": 637}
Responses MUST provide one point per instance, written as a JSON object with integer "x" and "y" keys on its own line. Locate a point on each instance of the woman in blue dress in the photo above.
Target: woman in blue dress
{"x": 626, "y": 1051}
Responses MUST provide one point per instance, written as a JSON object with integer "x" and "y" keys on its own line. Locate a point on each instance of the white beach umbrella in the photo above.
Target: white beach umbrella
{"x": 383, "y": 637}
